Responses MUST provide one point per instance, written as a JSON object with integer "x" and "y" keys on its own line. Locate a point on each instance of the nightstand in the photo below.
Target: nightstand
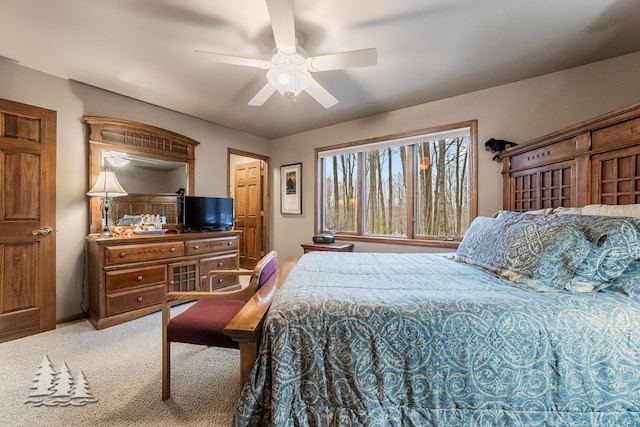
{"x": 327, "y": 247}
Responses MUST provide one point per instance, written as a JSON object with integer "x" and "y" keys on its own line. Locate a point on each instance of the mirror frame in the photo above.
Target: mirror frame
{"x": 137, "y": 139}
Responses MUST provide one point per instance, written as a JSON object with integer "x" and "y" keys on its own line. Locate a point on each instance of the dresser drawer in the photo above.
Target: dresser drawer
{"x": 196, "y": 247}
{"x": 218, "y": 282}
{"x": 143, "y": 252}
{"x": 224, "y": 262}
{"x": 131, "y": 300}
{"x": 135, "y": 277}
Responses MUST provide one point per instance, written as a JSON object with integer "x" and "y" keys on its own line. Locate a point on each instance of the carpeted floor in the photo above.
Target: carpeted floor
{"x": 122, "y": 368}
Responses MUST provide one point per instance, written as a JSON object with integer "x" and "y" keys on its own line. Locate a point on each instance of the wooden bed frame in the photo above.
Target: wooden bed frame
{"x": 596, "y": 161}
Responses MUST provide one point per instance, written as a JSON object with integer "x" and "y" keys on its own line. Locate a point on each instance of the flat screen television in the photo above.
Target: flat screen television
{"x": 208, "y": 213}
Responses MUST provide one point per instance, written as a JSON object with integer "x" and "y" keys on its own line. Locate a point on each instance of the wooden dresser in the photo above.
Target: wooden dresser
{"x": 129, "y": 276}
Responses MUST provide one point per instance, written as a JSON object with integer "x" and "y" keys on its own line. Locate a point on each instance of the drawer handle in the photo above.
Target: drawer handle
{"x": 172, "y": 250}
{"x": 220, "y": 280}
{"x": 122, "y": 254}
{"x": 139, "y": 299}
{"x": 220, "y": 264}
{"x": 196, "y": 247}
{"x": 229, "y": 243}
{"x": 139, "y": 278}
{"x": 172, "y": 282}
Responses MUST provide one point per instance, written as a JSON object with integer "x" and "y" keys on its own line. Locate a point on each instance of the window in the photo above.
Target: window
{"x": 417, "y": 187}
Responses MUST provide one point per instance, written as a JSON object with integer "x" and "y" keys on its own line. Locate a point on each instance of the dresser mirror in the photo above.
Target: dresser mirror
{"x": 145, "y": 175}
{"x": 151, "y": 164}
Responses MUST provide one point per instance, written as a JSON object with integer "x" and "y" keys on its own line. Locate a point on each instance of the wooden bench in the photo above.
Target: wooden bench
{"x": 246, "y": 327}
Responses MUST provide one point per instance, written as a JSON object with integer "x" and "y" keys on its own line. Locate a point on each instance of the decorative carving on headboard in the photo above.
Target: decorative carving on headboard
{"x": 595, "y": 161}
{"x": 542, "y": 154}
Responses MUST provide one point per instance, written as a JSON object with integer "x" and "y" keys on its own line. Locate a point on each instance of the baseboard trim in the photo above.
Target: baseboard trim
{"x": 73, "y": 318}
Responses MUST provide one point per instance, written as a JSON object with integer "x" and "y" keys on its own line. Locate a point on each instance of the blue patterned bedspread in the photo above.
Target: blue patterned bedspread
{"x": 420, "y": 339}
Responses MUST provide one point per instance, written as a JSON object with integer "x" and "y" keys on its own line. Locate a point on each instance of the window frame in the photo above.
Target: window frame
{"x": 410, "y": 239}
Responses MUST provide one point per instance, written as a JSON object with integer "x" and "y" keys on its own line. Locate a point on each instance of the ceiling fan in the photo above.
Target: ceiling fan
{"x": 119, "y": 159}
{"x": 289, "y": 69}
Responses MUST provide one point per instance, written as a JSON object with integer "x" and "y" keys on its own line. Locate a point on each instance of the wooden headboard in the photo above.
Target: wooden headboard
{"x": 596, "y": 161}
{"x": 161, "y": 204}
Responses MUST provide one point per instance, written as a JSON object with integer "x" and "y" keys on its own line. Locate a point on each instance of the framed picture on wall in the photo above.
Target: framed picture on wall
{"x": 291, "y": 189}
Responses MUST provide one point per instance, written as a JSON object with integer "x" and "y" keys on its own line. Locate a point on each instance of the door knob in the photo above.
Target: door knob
{"x": 44, "y": 232}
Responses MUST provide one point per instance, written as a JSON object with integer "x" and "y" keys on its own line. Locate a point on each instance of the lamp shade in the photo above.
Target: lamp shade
{"x": 107, "y": 186}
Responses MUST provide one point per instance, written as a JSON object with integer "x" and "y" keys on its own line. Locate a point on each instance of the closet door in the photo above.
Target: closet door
{"x": 27, "y": 220}
{"x": 248, "y": 208}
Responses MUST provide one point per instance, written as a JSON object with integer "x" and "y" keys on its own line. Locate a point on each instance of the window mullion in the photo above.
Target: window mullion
{"x": 319, "y": 194}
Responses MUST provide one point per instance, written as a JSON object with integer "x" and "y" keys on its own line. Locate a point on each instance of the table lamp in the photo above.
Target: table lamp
{"x": 106, "y": 187}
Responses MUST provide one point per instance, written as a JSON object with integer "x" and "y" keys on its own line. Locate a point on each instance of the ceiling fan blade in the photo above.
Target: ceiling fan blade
{"x": 320, "y": 94}
{"x": 282, "y": 24}
{"x": 262, "y": 95}
{"x": 140, "y": 159}
{"x": 111, "y": 155}
{"x": 236, "y": 60}
{"x": 336, "y": 61}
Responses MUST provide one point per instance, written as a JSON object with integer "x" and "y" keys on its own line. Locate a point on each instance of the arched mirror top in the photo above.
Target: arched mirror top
{"x": 149, "y": 148}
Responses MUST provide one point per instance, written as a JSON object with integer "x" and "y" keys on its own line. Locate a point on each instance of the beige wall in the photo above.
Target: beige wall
{"x": 73, "y": 100}
{"x": 516, "y": 112}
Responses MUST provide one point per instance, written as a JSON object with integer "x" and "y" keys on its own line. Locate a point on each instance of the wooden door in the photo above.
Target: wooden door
{"x": 27, "y": 220}
{"x": 248, "y": 211}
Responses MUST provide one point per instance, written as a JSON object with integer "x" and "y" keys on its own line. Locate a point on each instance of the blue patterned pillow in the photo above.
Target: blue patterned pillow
{"x": 629, "y": 281}
{"x": 616, "y": 243}
{"x": 540, "y": 251}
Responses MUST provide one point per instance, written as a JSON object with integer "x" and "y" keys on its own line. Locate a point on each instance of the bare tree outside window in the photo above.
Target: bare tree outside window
{"x": 386, "y": 192}
{"x": 442, "y": 188}
{"x": 411, "y": 188}
{"x": 341, "y": 175}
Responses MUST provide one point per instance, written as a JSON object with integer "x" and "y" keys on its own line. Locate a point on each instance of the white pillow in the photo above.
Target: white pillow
{"x": 568, "y": 211}
{"x": 612, "y": 210}
{"x": 543, "y": 211}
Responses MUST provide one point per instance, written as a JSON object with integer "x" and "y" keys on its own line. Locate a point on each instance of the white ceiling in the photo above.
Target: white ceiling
{"x": 427, "y": 50}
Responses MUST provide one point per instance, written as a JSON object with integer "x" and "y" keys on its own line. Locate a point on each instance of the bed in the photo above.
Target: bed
{"x": 533, "y": 321}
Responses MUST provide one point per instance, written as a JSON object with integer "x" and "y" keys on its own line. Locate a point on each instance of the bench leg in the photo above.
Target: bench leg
{"x": 248, "y": 354}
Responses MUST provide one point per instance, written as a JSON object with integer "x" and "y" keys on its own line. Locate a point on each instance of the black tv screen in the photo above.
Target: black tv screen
{"x": 208, "y": 213}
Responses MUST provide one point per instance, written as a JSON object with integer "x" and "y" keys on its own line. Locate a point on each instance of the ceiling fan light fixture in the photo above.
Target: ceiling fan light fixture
{"x": 114, "y": 158}
{"x": 117, "y": 162}
{"x": 290, "y": 67}
{"x": 289, "y": 79}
